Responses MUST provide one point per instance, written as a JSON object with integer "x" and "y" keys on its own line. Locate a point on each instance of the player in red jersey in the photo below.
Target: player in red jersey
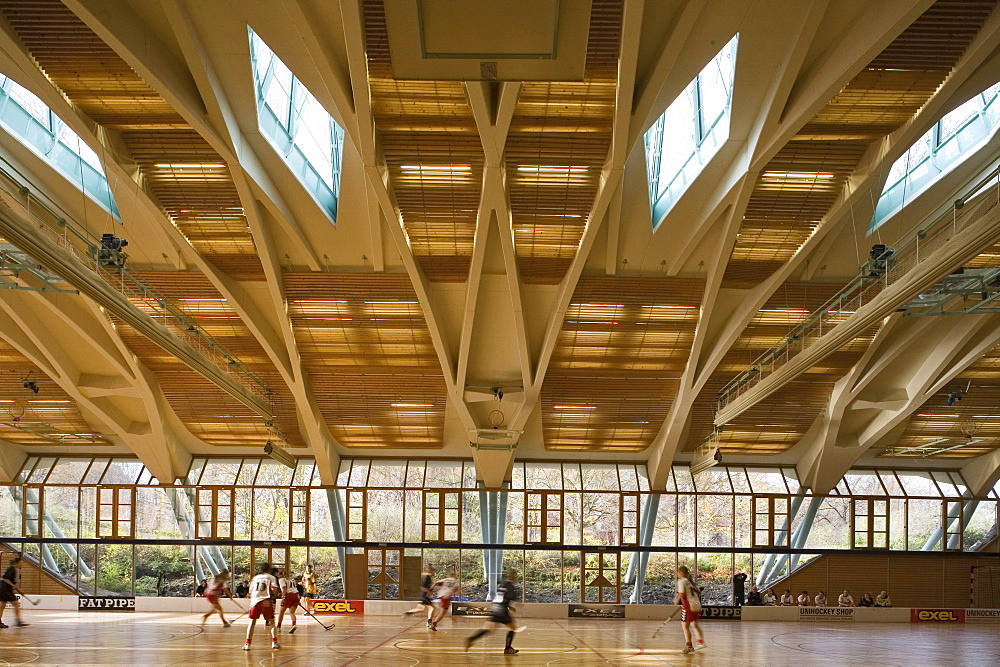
{"x": 289, "y": 599}
{"x": 689, "y": 598}
{"x": 261, "y": 587}
{"x": 218, "y": 589}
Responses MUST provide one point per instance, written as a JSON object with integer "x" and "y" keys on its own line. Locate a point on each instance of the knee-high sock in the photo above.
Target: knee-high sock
{"x": 510, "y": 638}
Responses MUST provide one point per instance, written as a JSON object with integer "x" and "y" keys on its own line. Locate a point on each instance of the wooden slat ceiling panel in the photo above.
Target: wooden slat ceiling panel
{"x": 784, "y": 210}
{"x": 615, "y": 370}
{"x": 370, "y": 359}
{"x": 432, "y": 150}
{"x": 202, "y": 201}
{"x": 558, "y": 142}
{"x": 195, "y": 295}
{"x": 51, "y": 405}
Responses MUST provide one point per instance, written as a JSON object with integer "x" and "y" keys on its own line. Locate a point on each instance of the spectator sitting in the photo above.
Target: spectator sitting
{"x": 243, "y": 589}
{"x": 202, "y": 587}
{"x": 787, "y": 599}
{"x": 866, "y": 601}
{"x": 754, "y": 598}
{"x": 845, "y": 600}
{"x": 769, "y": 597}
{"x": 883, "y": 600}
{"x": 804, "y": 599}
{"x": 820, "y": 599}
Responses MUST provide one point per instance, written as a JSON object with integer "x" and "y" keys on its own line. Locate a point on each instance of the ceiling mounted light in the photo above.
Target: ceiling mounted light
{"x": 803, "y": 175}
{"x": 279, "y": 455}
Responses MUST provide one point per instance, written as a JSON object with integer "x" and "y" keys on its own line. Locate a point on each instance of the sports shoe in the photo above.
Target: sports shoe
{"x": 22, "y": 625}
{"x": 433, "y": 626}
{"x": 699, "y": 646}
{"x": 688, "y": 649}
{"x": 275, "y": 645}
{"x": 246, "y": 647}
{"x": 226, "y": 624}
{"x": 510, "y": 650}
{"x": 3, "y": 626}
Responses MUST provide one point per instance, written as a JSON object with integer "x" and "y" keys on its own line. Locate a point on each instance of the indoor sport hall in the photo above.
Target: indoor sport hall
{"x": 539, "y": 332}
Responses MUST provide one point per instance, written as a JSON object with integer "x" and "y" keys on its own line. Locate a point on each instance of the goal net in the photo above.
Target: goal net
{"x": 986, "y": 586}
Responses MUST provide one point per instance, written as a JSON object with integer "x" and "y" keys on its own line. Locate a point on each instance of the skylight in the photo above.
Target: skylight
{"x": 30, "y": 121}
{"x": 690, "y": 132}
{"x": 297, "y": 126}
{"x": 952, "y": 139}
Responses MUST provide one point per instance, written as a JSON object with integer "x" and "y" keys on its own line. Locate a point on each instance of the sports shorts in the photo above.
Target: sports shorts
{"x": 291, "y": 601}
{"x": 263, "y": 609}
{"x": 501, "y": 614}
{"x": 688, "y": 616}
{"x": 444, "y": 602}
{"x": 212, "y": 598}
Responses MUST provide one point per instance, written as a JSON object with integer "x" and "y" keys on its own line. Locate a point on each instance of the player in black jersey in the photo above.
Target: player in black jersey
{"x": 502, "y": 613}
{"x": 425, "y": 604}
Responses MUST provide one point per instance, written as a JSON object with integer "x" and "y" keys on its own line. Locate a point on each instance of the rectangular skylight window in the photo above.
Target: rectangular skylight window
{"x": 690, "y": 132}
{"x": 954, "y": 138}
{"x": 31, "y": 122}
{"x": 298, "y": 127}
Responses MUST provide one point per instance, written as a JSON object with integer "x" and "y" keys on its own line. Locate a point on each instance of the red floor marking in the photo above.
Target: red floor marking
{"x": 592, "y": 649}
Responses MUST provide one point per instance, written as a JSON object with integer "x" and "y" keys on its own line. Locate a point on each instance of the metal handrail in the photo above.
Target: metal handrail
{"x": 131, "y": 286}
{"x": 868, "y": 276}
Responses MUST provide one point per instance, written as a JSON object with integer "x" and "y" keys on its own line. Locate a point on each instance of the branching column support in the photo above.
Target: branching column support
{"x": 338, "y": 519}
{"x": 799, "y": 537}
{"x": 639, "y": 561}
{"x": 766, "y": 569}
{"x": 492, "y": 516}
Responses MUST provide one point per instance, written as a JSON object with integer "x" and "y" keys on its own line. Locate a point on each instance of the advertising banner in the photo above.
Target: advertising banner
{"x": 105, "y": 604}
{"x": 471, "y": 608}
{"x": 982, "y": 615}
{"x": 341, "y": 607}
{"x": 722, "y": 613}
{"x": 826, "y": 613}
{"x": 597, "y": 611}
{"x": 937, "y": 615}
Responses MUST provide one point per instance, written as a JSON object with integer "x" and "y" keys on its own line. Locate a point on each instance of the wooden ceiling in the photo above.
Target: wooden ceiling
{"x": 615, "y": 370}
{"x": 176, "y": 166}
{"x": 624, "y": 343}
{"x": 366, "y": 347}
{"x": 803, "y": 181}
{"x": 51, "y": 411}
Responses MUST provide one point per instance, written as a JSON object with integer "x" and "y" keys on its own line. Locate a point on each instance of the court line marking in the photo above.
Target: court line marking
{"x": 377, "y": 646}
{"x": 577, "y": 637}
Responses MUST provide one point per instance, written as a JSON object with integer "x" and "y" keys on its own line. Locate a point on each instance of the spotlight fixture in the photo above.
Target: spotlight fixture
{"x": 30, "y": 385}
{"x": 954, "y": 397}
{"x": 279, "y": 455}
{"x": 111, "y": 252}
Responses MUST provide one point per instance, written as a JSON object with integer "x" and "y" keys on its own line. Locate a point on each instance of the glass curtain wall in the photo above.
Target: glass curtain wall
{"x": 570, "y": 529}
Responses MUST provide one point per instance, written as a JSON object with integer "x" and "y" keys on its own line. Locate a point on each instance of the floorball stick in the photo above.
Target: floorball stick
{"x": 313, "y": 617}
{"x": 669, "y": 618}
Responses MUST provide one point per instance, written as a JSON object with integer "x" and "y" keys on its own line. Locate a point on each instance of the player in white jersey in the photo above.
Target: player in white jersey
{"x": 262, "y": 587}
{"x": 443, "y": 592}
{"x": 289, "y": 599}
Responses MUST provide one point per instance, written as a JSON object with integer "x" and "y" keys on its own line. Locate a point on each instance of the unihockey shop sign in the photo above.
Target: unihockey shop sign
{"x": 826, "y": 613}
{"x": 105, "y": 604}
{"x": 722, "y": 613}
{"x": 937, "y": 616}
{"x": 982, "y": 615}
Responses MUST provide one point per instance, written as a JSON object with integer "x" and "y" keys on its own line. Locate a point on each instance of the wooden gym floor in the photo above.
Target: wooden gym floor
{"x": 70, "y": 638}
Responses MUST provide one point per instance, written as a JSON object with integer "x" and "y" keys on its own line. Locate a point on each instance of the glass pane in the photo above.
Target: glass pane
{"x": 69, "y": 470}
{"x": 220, "y": 472}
